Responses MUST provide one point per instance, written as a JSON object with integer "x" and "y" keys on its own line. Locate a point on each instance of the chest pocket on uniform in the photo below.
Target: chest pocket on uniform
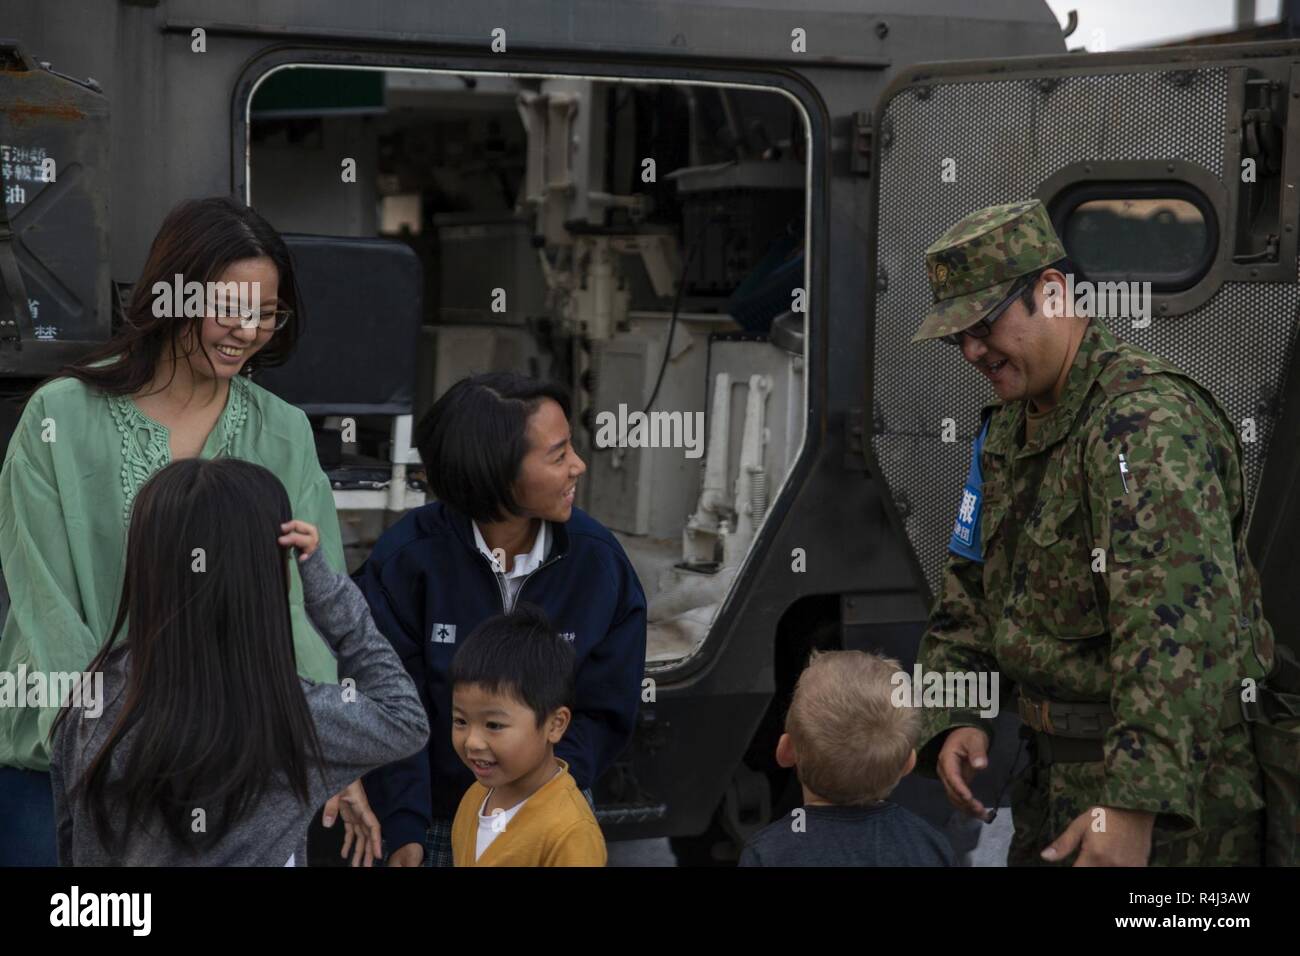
{"x": 995, "y": 502}
{"x": 1053, "y": 587}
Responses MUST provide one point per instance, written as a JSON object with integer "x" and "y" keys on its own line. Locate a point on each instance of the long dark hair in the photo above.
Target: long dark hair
{"x": 213, "y": 707}
{"x": 198, "y": 240}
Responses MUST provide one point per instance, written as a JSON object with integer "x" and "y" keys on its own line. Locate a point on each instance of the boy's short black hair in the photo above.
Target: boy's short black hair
{"x": 474, "y": 439}
{"x": 519, "y": 655}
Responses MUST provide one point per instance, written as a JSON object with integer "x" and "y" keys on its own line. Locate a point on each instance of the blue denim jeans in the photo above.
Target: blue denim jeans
{"x": 26, "y": 819}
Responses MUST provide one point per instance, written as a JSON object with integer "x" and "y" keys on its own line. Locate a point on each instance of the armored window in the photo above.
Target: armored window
{"x": 1164, "y": 233}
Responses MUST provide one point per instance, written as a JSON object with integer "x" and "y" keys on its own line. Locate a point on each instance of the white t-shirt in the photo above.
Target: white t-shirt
{"x": 525, "y": 564}
{"x": 490, "y": 826}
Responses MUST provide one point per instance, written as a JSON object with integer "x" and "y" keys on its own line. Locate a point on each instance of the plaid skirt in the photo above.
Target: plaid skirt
{"x": 437, "y": 843}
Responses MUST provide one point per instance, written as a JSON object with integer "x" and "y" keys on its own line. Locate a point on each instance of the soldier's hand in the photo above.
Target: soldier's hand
{"x": 1109, "y": 837}
{"x": 964, "y": 753}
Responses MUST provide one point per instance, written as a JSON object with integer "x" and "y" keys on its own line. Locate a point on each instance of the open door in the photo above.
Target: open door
{"x": 1170, "y": 176}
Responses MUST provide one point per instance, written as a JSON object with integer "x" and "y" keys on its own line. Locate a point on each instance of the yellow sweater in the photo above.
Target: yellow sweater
{"x": 555, "y": 827}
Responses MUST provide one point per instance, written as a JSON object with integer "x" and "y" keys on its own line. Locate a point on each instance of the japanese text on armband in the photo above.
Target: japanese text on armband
{"x": 965, "y": 541}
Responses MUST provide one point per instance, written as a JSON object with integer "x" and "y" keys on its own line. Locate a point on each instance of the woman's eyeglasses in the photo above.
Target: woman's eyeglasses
{"x": 229, "y": 318}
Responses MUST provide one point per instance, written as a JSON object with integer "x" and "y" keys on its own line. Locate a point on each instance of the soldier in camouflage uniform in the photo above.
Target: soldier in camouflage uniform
{"x": 1099, "y": 565}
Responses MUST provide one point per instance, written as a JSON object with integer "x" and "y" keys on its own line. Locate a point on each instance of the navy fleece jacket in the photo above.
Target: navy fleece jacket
{"x": 429, "y": 586}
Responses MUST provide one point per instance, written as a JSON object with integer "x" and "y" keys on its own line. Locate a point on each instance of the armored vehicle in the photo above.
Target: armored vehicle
{"x": 707, "y": 219}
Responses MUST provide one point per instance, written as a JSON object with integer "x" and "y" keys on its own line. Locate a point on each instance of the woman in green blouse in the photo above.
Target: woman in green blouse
{"x": 163, "y": 389}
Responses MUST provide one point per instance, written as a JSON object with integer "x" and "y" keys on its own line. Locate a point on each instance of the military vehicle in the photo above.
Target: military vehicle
{"x": 713, "y": 212}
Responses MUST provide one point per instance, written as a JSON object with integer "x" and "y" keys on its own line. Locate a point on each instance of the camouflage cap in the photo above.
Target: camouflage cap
{"x": 974, "y": 264}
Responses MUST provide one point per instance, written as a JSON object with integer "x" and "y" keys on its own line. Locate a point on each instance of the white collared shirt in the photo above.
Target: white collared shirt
{"x": 491, "y": 825}
{"x": 524, "y": 565}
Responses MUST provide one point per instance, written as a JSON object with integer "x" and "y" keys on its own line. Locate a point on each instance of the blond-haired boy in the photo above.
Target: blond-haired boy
{"x": 849, "y": 745}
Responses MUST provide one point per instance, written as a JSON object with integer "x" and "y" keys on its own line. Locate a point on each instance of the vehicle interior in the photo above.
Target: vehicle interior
{"x": 640, "y": 242}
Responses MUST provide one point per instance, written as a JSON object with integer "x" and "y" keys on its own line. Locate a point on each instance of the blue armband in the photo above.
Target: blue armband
{"x": 965, "y": 541}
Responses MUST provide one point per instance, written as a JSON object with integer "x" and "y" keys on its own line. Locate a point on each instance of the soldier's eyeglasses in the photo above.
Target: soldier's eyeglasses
{"x": 982, "y": 328}
{"x": 229, "y": 318}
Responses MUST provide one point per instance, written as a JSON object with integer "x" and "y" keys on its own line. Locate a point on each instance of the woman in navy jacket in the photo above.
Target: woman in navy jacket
{"x": 499, "y": 457}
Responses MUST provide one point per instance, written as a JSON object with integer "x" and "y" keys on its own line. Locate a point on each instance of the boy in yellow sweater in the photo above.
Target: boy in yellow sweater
{"x": 512, "y": 697}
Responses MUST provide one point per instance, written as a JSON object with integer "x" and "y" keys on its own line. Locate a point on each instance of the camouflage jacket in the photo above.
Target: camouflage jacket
{"x": 1166, "y": 625}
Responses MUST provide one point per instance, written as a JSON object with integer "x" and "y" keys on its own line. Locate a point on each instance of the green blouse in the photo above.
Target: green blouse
{"x": 74, "y": 465}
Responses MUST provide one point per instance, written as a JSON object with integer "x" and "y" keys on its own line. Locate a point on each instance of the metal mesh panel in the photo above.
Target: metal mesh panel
{"x": 1006, "y": 137}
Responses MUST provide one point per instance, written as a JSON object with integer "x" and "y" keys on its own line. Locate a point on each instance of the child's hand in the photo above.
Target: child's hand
{"x": 410, "y": 855}
{"x": 300, "y": 535}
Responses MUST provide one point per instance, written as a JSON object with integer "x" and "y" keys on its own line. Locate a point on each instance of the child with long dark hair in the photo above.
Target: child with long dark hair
{"x": 208, "y": 748}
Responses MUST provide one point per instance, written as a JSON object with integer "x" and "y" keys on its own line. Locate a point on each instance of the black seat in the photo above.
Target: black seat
{"x": 362, "y": 301}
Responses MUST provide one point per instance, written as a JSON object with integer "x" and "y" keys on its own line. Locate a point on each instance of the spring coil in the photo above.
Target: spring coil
{"x": 757, "y": 494}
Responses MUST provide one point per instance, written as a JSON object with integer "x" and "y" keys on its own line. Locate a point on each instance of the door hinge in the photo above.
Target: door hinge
{"x": 860, "y": 159}
{"x": 855, "y": 449}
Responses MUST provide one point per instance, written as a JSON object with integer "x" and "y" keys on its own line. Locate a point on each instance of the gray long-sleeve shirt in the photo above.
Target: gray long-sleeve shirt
{"x": 379, "y": 720}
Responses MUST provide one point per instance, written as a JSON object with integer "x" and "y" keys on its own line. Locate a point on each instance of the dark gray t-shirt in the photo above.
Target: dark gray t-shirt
{"x": 375, "y": 721}
{"x": 883, "y": 834}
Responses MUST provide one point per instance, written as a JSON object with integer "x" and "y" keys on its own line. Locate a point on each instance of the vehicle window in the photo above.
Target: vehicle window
{"x": 1166, "y": 240}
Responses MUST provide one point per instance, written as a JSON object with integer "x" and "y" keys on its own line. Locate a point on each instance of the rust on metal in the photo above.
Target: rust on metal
{"x": 21, "y": 112}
